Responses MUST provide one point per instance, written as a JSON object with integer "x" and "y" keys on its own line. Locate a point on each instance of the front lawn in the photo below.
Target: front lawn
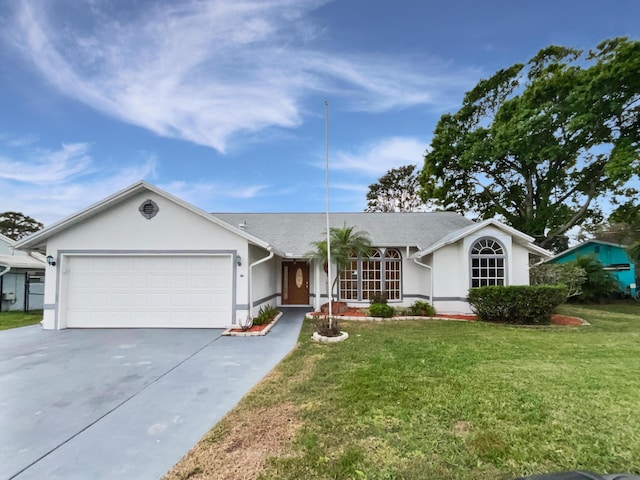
{"x": 438, "y": 400}
{"x": 19, "y": 319}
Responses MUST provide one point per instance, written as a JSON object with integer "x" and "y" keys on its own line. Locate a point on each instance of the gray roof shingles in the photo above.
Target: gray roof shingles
{"x": 292, "y": 233}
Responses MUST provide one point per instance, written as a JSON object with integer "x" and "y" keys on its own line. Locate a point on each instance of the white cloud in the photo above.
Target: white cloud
{"x": 51, "y": 184}
{"x": 12, "y": 140}
{"x": 204, "y": 71}
{"x": 204, "y": 193}
{"x": 380, "y": 157}
{"x": 351, "y": 172}
{"x": 45, "y": 167}
{"x": 350, "y": 187}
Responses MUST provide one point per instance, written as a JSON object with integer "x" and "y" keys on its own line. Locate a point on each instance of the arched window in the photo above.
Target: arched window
{"x": 365, "y": 277}
{"x": 488, "y": 263}
{"x": 392, "y": 274}
{"x": 371, "y": 275}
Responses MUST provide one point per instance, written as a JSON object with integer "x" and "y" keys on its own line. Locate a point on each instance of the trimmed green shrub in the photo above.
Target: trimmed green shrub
{"x": 381, "y": 310}
{"x": 265, "y": 315}
{"x": 422, "y": 309}
{"x": 518, "y": 304}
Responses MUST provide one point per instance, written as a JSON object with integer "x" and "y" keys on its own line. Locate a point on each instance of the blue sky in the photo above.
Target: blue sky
{"x": 221, "y": 102}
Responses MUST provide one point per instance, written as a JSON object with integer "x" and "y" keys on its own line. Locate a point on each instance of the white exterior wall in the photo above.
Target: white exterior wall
{"x": 123, "y": 228}
{"x": 452, "y": 269}
{"x": 451, "y": 279}
{"x": 416, "y": 279}
{"x": 264, "y": 282}
{"x": 520, "y": 269}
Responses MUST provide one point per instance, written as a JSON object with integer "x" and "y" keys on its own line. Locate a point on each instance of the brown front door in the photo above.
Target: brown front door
{"x": 295, "y": 283}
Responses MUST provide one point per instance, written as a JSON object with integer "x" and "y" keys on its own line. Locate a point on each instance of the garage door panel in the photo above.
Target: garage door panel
{"x": 148, "y": 291}
{"x": 182, "y": 281}
{"x": 160, "y": 280}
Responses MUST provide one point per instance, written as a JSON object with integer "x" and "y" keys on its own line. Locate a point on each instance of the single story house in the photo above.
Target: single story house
{"x": 145, "y": 258}
{"x": 21, "y": 278}
{"x": 612, "y": 256}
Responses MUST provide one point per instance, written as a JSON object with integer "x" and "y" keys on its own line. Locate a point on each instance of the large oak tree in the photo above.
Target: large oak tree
{"x": 539, "y": 144}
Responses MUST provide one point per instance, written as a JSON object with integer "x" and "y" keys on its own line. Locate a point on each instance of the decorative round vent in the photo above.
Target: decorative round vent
{"x": 148, "y": 209}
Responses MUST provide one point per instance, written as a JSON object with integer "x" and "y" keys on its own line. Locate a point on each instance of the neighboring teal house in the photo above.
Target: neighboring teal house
{"x": 613, "y": 256}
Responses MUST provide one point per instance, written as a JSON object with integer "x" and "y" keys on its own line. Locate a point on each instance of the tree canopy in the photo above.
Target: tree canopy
{"x": 621, "y": 227}
{"x": 16, "y": 225}
{"x": 396, "y": 191}
{"x": 541, "y": 144}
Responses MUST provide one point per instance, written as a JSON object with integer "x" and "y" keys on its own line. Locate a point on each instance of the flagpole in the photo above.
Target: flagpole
{"x": 326, "y": 148}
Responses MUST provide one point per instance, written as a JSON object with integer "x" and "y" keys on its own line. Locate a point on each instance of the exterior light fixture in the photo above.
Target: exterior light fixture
{"x": 238, "y": 260}
{"x": 51, "y": 261}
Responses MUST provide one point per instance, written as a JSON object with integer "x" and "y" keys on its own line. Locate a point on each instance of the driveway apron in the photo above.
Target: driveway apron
{"x": 117, "y": 403}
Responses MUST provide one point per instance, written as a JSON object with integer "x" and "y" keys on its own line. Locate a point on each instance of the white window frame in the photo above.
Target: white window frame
{"x": 367, "y": 276}
{"x": 487, "y": 263}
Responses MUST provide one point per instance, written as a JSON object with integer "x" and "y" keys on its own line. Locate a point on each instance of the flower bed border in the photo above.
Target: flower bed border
{"x": 453, "y": 318}
{"x": 237, "y": 332}
{"x": 316, "y": 337}
{"x": 364, "y": 318}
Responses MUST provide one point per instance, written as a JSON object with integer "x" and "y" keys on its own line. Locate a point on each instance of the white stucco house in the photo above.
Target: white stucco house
{"x": 21, "y": 278}
{"x": 145, "y": 258}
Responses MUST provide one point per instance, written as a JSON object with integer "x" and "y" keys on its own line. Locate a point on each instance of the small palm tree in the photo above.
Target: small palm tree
{"x": 345, "y": 243}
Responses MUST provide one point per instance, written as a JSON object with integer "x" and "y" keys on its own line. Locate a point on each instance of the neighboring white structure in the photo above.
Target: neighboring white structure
{"x": 21, "y": 278}
{"x": 144, "y": 258}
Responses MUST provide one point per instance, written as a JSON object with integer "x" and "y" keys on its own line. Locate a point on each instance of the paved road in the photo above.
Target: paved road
{"x": 116, "y": 403}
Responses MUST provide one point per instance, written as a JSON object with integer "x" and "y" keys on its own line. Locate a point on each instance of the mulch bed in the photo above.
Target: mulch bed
{"x": 254, "y": 328}
{"x": 566, "y": 320}
{"x": 562, "y": 320}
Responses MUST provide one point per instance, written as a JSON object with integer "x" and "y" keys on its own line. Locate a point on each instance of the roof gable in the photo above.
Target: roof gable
{"x": 39, "y": 238}
{"x": 9, "y": 242}
{"x": 585, "y": 244}
{"x": 518, "y": 237}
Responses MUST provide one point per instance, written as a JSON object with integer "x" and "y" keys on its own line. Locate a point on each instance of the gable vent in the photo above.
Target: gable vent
{"x": 148, "y": 209}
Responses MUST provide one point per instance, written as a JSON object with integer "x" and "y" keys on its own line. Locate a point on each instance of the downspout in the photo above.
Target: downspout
{"x": 255, "y": 264}
{"x": 430, "y": 280}
{"x": 26, "y": 292}
{"x": 2, "y": 272}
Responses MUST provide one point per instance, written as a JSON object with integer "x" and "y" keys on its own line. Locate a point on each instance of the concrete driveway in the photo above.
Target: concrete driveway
{"x": 115, "y": 403}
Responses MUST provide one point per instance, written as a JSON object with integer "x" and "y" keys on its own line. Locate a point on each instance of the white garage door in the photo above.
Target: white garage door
{"x": 147, "y": 291}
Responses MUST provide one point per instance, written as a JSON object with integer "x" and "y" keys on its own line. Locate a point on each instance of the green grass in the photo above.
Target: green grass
{"x": 443, "y": 399}
{"x": 19, "y": 319}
